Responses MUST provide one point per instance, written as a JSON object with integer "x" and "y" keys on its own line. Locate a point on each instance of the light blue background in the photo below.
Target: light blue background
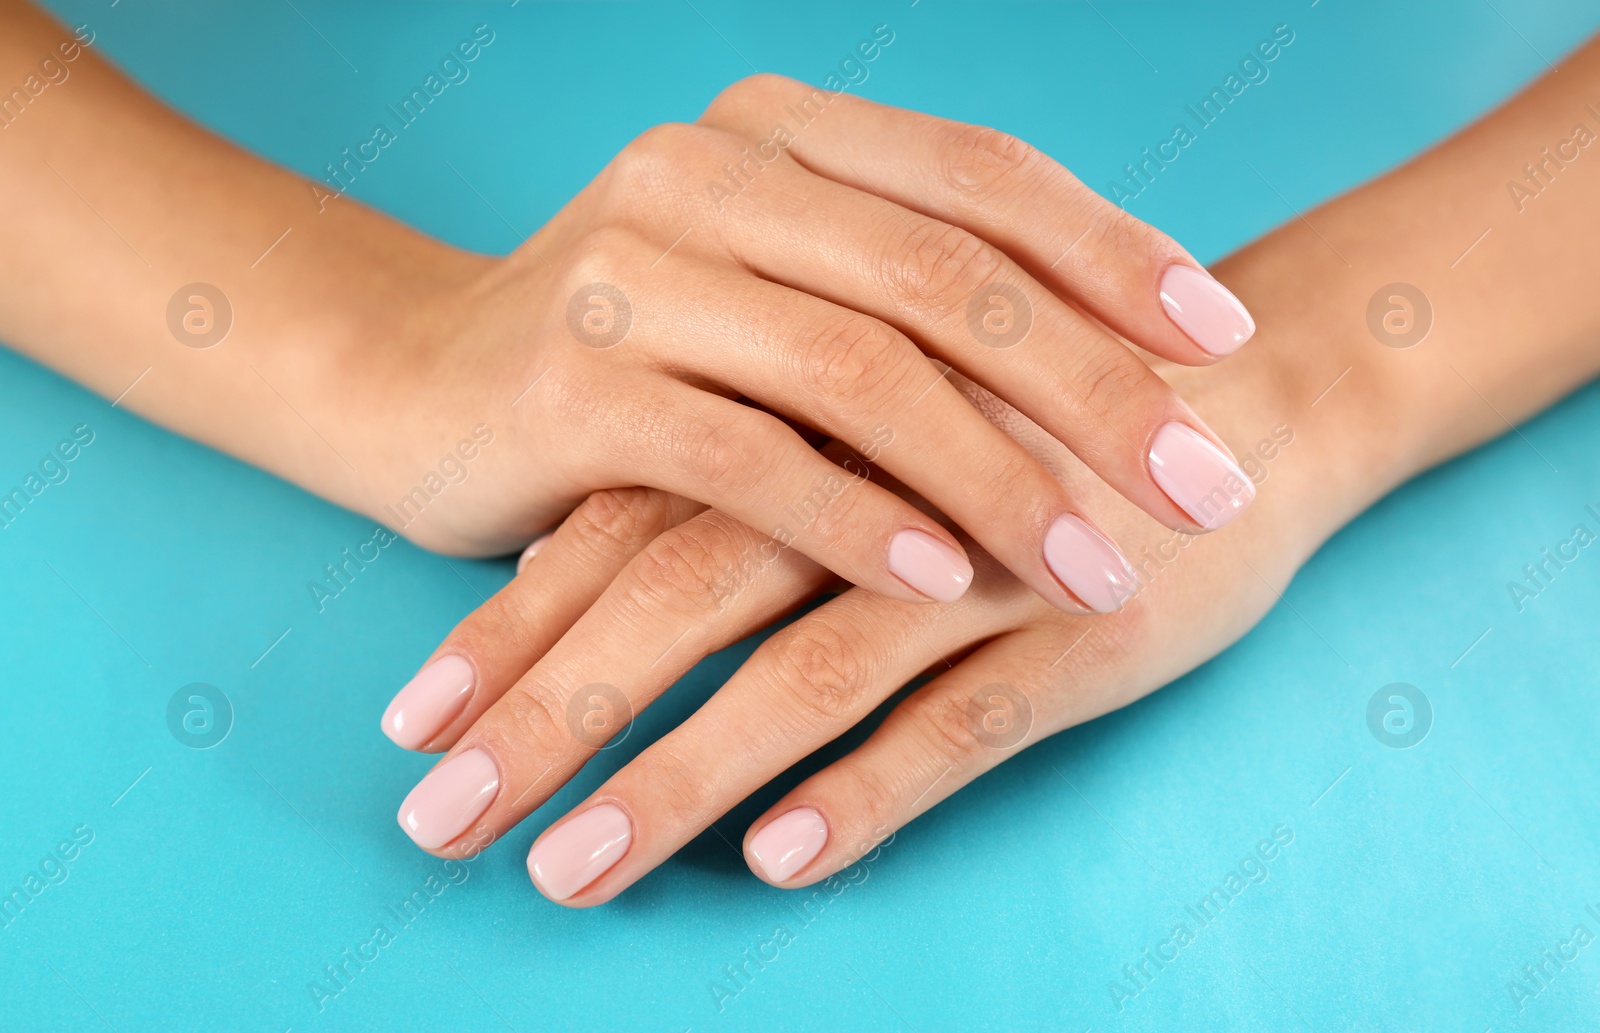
{"x": 223, "y": 881}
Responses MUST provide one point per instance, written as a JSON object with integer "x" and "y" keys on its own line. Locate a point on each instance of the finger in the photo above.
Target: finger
{"x": 964, "y": 301}
{"x": 496, "y": 644}
{"x": 865, "y": 384}
{"x": 1131, "y": 276}
{"x": 695, "y": 589}
{"x": 803, "y": 687}
{"x": 757, "y": 469}
{"x": 994, "y": 704}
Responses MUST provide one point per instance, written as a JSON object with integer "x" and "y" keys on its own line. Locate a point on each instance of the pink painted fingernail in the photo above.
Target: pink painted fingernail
{"x": 789, "y": 843}
{"x": 1205, "y": 310}
{"x": 929, "y": 565}
{"x": 1088, "y": 564}
{"x": 580, "y": 851}
{"x": 1202, "y": 479}
{"x": 532, "y": 549}
{"x": 428, "y": 702}
{"x": 453, "y": 796}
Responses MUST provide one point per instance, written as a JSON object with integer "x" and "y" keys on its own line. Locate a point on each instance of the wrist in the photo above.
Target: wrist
{"x": 1306, "y": 405}
{"x": 380, "y": 345}
{"x": 429, "y": 378}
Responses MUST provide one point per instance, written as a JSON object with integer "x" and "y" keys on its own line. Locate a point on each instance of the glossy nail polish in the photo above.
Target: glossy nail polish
{"x": 579, "y": 851}
{"x": 929, "y": 565}
{"x": 453, "y": 796}
{"x": 429, "y": 702}
{"x": 1199, "y": 476}
{"x": 532, "y": 550}
{"x": 1205, "y": 310}
{"x": 788, "y": 843}
{"x": 1088, "y": 564}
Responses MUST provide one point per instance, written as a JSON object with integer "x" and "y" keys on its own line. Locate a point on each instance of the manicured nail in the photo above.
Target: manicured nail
{"x": 533, "y": 547}
{"x": 1205, "y": 310}
{"x": 1199, "y": 476}
{"x": 1088, "y": 564}
{"x": 789, "y": 843}
{"x": 929, "y": 565}
{"x": 580, "y": 851}
{"x": 431, "y": 700}
{"x": 453, "y": 796}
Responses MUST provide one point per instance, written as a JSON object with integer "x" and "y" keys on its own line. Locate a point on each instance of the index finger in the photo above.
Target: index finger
{"x": 1132, "y": 277}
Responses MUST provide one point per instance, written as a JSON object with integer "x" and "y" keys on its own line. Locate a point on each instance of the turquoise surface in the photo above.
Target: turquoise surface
{"x": 207, "y": 889}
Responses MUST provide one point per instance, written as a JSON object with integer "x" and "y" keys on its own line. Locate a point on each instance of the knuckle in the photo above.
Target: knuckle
{"x": 948, "y": 727}
{"x": 1116, "y": 235}
{"x": 1018, "y": 478}
{"x": 1112, "y": 381}
{"x": 876, "y": 793}
{"x": 679, "y": 570}
{"x": 666, "y": 142}
{"x": 531, "y": 725}
{"x": 857, "y": 356}
{"x": 681, "y": 786}
{"x": 981, "y": 161}
{"x": 603, "y": 256}
{"x": 507, "y": 623}
{"x": 654, "y": 161}
{"x": 835, "y": 509}
{"x": 824, "y": 666}
{"x": 937, "y": 266}
{"x": 714, "y": 461}
{"x": 755, "y": 89}
{"x": 617, "y": 519}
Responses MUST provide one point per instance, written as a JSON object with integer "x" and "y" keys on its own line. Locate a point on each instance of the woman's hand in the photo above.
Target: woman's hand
{"x": 807, "y": 251}
{"x": 811, "y": 252}
{"x": 1329, "y": 410}
{"x": 523, "y": 706}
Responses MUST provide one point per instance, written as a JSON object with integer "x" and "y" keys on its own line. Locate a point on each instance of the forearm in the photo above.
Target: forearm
{"x": 1515, "y": 316}
{"x": 114, "y": 202}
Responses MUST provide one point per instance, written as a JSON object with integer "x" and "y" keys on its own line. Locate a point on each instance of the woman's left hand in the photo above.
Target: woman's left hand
{"x": 637, "y": 586}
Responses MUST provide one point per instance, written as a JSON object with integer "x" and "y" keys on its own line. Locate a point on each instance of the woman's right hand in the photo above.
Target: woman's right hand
{"x": 810, "y": 253}
{"x": 631, "y": 591}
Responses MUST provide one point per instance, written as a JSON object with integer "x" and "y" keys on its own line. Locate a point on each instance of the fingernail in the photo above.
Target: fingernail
{"x": 1088, "y": 564}
{"x": 789, "y": 843}
{"x": 929, "y": 565}
{"x": 1199, "y": 476}
{"x": 580, "y": 851}
{"x": 429, "y": 701}
{"x": 453, "y": 796}
{"x": 1205, "y": 310}
{"x": 533, "y": 548}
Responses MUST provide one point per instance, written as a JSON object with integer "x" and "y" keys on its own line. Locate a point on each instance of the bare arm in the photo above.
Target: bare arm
{"x": 113, "y": 203}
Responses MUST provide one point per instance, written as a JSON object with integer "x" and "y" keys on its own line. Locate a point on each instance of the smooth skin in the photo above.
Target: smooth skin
{"x": 1330, "y": 417}
{"x": 659, "y": 331}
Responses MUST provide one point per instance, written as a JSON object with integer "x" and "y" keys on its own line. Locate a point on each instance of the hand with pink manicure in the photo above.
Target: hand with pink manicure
{"x": 796, "y": 265}
{"x": 638, "y": 585}
{"x": 871, "y": 250}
